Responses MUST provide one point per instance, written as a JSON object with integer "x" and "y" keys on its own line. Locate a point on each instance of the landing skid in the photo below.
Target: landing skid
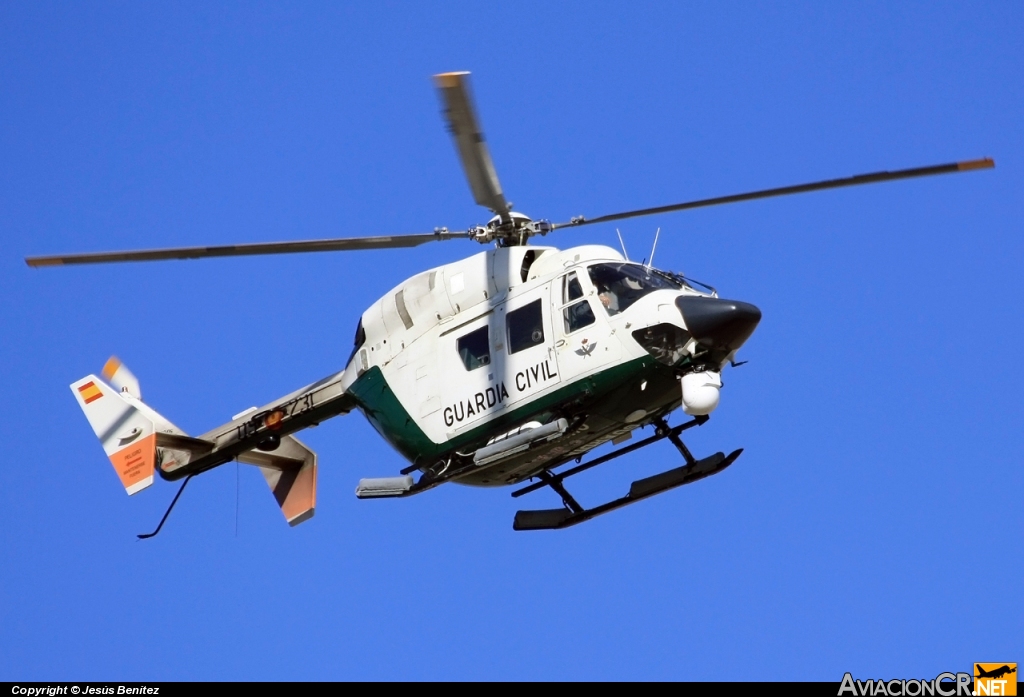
{"x": 573, "y": 513}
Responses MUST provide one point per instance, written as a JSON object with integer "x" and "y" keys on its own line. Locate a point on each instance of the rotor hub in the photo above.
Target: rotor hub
{"x": 510, "y": 230}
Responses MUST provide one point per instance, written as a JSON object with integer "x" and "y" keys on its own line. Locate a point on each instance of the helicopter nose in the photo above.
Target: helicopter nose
{"x": 716, "y": 323}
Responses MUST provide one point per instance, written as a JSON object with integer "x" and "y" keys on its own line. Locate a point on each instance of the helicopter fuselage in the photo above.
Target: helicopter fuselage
{"x": 461, "y": 356}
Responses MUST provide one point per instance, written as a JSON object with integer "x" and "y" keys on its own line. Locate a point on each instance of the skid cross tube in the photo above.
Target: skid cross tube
{"x": 559, "y": 489}
{"x": 663, "y": 431}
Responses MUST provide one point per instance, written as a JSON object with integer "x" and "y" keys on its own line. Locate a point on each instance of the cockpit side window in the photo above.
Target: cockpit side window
{"x": 525, "y": 327}
{"x": 619, "y": 285}
{"x": 577, "y": 316}
{"x": 571, "y": 289}
{"x": 473, "y": 349}
{"x": 576, "y": 312}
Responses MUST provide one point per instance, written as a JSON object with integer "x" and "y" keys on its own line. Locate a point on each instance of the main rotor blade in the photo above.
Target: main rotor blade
{"x": 469, "y": 141}
{"x": 984, "y": 163}
{"x": 345, "y": 244}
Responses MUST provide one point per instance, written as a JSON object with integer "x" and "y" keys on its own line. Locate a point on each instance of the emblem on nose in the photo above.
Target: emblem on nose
{"x": 716, "y": 323}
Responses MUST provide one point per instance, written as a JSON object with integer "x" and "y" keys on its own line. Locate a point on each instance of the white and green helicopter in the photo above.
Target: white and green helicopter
{"x": 505, "y": 368}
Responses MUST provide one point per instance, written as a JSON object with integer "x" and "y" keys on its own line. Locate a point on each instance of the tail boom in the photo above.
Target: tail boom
{"x": 265, "y": 429}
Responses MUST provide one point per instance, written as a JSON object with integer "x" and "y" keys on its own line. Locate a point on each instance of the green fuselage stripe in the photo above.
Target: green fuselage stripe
{"x": 387, "y": 415}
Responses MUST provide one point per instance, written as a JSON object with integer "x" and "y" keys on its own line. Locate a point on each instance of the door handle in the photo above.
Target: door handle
{"x": 560, "y": 343}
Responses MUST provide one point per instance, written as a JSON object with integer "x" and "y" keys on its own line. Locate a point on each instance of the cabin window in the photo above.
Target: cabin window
{"x": 473, "y": 349}
{"x": 525, "y": 327}
{"x": 571, "y": 289}
{"x": 577, "y": 316}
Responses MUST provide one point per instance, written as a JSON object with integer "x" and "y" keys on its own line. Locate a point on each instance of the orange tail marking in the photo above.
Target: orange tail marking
{"x": 135, "y": 463}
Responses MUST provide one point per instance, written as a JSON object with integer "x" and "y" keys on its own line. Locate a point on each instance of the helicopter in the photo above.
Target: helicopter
{"x": 506, "y": 368}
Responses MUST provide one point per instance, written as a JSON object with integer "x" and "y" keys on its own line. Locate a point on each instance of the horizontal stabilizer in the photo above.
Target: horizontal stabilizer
{"x": 174, "y": 451}
{"x": 290, "y": 471}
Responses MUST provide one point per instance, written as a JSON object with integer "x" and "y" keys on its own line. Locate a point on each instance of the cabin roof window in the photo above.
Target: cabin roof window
{"x": 474, "y": 349}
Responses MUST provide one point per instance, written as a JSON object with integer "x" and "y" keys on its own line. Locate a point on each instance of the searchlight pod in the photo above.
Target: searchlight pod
{"x": 701, "y": 392}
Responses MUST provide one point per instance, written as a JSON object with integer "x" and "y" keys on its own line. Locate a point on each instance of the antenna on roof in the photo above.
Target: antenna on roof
{"x": 656, "y": 233}
{"x": 623, "y": 244}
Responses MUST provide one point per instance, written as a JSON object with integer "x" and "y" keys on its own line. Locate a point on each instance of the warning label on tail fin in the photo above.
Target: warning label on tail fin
{"x": 134, "y": 464}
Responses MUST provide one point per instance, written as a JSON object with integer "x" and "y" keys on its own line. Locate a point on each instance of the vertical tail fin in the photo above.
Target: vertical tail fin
{"x": 135, "y": 437}
{"x": 127, "y": 434}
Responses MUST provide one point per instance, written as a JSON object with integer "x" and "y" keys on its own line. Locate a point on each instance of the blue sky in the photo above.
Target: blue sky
{"x": 872, "y": 524}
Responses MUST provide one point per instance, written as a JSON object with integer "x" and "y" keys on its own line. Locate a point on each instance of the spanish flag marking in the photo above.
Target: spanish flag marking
{"x": 89, "y": 392}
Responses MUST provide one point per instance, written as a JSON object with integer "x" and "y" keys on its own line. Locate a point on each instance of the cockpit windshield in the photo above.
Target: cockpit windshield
{"x": 621, "y": 284}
